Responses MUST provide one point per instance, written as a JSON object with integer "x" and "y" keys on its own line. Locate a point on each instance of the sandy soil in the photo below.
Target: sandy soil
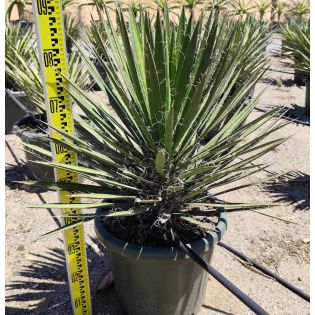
{"x": 35, "y": 271}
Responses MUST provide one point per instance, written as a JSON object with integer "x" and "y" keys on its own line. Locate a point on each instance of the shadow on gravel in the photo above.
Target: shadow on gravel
{"x": 217, "y": 311}
{"x": 44, "y": 288}
{"x": 296, "y": 113}
{"x": 277, "y": 82}
{"x": 293, "y": 112}
{"x": 17, "y": 172}
{"x": 293, "y": 188}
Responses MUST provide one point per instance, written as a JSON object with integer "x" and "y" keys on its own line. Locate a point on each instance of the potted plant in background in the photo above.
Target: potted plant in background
{"x": 144, "y": 158}
{"x": 24, "y": 44}
{"x": 22, "y": 21}
{"x": 299, "y": 10}
{"x": 296, "y": 46}
{"x": 251, "y": 39}
{"x": 72, "y": 27}
{"x": 24, "y": 71}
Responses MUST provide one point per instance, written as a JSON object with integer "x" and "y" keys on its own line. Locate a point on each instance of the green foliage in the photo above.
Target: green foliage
{"x": 169, "y": 86}
{"x": 22, "y": 68}
{"x": 262, "y": 8}
{"x": 72, "y": 30}
{"x": 241, "y": 8}
{"x": 15, "y": 39}
{"x": 191, "y": 4}
{"x": 20, "y": 4}
{"x": 18, "y": 40}
{"x": 296, "y": 44}
{"x": 280, "y": 9}
{"x": 300, "y": 10}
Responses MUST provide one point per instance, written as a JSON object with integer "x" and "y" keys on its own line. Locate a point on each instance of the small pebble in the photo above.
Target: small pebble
{"x": 20, "y": 248}
{"x": 299, "y": 279}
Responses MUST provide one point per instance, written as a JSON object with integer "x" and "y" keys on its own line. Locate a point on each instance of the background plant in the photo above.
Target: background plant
{"x": 15, "y": 40}
{"x": 220, "y": 5}
{"x": 72, "y": 30}
{"x": 280, "y": 10}
{"x": 296, "y": 44}
{"x": 300, "y": 10}
{"x": 21, "y": 5}
{"x": 251, "y": 38}
{"x": 169, "y": 86}
{"x": 262, "y": 8}
{"x": 240, "y": 8}
{"x": 22, "y": 67}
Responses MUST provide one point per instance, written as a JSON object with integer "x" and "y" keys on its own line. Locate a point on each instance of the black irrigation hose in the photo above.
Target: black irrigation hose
{"x": 257, "y": 309}
{"x": 263, "y": 269}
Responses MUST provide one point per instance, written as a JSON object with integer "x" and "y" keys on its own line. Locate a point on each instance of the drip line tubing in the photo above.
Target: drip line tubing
{"x": 267, "y": 272}
{"x": 257, "y": 309}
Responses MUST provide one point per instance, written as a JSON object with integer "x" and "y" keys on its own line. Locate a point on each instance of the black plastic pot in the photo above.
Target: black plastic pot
{"x": 28, "y": 130}
{"x": 24, "y": 25}
{"x": 159, "y": 280}
{"x": 13, "y": 111}
{"x": 300, "y": 77}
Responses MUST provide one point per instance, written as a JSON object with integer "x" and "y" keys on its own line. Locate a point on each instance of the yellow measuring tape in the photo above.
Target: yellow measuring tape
{"x": 53, "y": 58}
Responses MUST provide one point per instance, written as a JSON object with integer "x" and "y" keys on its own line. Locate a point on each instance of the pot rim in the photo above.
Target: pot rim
{"x": 15, "y": 93}
{"x": 139, "y": 252}
{"x": 18, "y": 130}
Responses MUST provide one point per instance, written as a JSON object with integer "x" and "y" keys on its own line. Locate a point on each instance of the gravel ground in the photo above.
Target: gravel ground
{"x": 36, "y": 274}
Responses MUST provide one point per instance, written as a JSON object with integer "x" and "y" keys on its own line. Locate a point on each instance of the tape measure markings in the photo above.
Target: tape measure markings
{"x": 51, "y": 42}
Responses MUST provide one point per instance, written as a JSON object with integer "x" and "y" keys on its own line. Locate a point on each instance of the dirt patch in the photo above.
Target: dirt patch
{"x": 275, "y": 249}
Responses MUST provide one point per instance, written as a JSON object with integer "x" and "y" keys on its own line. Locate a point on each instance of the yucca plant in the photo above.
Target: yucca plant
{"x": 169, "y": 88}
{"x": 72, "y": 29}
{"x": 17, "y": 41}
{"x": 216, "y": 4}
{"x": 22, "y": 41}
{"x": 262, "y": 8}
{"x": 300, "y": 10}
{"x": 99, "y": 5}
{"x": 241, "y": 9}
{"x": 169, "y": 85}
{"x": 133, "y": 5}
{"x": 280, "y": 10}
{"x": 251, "y": 38}
{"x": 27, "y": 77}
{"x": 296, "y": 46}
{"x": 191, "y": 4}
{"x": 162, "y": 5}
{"x": 21, "y": 5}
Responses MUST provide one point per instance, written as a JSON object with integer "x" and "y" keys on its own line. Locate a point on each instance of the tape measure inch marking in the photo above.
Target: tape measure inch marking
{"x": 53, "y": 59}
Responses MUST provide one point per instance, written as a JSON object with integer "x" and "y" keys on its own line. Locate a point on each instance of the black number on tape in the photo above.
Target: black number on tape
{"x": 42, "y": 7}
{"x": 53, "y": 106}
{"x": 60, "y": 149}
{"x": 48, "y": 58}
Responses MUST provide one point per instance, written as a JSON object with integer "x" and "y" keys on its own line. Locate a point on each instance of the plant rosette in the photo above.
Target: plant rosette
{"x": 169, "y": 85}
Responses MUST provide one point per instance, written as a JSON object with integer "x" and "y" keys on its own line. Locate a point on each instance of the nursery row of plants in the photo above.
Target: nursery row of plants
{"x": 167, "y": 140}
{"x": 262, "y": 10}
